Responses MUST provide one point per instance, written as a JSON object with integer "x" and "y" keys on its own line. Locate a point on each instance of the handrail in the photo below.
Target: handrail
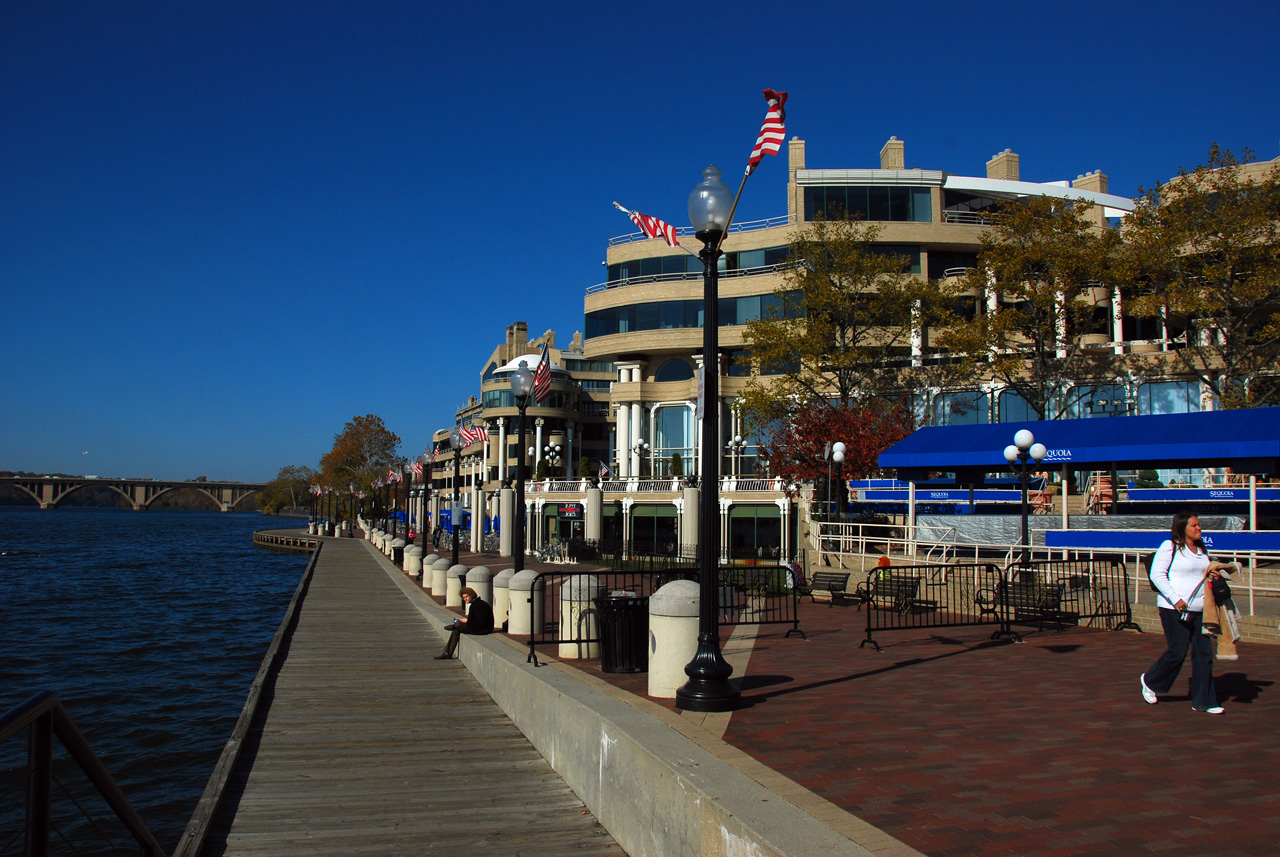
{"x": 834, "y": 542}
{"x": 47, "y": 717}
{"x": 744, "y": 226}
{"x": 676, "y": 276}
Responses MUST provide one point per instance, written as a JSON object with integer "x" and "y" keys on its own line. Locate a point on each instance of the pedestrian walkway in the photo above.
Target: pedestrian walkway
{"x": 955, "y": 744}
{"x": 366, "y": 745}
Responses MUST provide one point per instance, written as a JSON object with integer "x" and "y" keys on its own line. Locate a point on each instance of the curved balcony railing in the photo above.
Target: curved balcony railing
{"x": 687, "y": 231}
{"x": 687, "y": 275}
{"x": 970, "y": 218}
{"x": 650, "y": 485}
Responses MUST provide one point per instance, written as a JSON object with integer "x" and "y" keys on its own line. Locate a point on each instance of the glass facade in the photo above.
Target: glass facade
{"x": 869, "y": 203}
{"x": 685, "y": 266}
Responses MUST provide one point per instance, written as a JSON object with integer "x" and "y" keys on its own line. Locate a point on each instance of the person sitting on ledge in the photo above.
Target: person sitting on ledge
{"x": 479, "y": 620}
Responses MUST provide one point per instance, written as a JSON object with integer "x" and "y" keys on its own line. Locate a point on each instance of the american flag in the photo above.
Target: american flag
{"x": 542, "y": 377}
{"x": 652, "y": 226}
{"x": 417, "y": 468}
{"x": 773, "y": 132}
{"x": 605, "y": 472}
{"x": 475, "y": 434}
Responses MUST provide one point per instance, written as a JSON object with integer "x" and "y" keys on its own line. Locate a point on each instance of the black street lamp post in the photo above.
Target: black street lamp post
{"x": 708, "y": 688}
{"x": 455, "y": 443}
{"x": 1024, "y": 448}
{"x": 521, "y": 390}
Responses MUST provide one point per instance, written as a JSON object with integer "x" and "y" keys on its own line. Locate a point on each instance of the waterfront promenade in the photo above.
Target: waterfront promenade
{"x": 946, "y": 743}
{"x": 366, "y": 745}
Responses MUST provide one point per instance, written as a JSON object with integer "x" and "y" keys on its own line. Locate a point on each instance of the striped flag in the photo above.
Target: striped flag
{"x": 417, "y": 468}
{"x": 605, "y": 472}
{"x": 473, "y": 434}
{"x": 652, "y": 226}
{"x": 542, "y": 377}
{"x": 773, "y": 132}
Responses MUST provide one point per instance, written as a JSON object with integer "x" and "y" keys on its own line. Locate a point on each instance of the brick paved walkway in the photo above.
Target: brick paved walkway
{"x": 957, "y": 745}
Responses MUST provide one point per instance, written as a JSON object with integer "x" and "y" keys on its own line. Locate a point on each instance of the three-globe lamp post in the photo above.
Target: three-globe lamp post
{"x": 455, "y": 443}
{"x": 1023, "y": 449}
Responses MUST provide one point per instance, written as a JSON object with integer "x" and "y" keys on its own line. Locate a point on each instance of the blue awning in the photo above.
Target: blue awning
{"x": 1247, "y": 441}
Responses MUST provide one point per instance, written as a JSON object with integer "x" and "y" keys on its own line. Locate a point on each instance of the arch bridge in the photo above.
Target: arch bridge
{"x": 50, "y": 491}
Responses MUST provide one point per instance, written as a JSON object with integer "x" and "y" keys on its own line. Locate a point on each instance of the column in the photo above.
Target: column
{"x": 1117, "y": 320}
{"x": 624, "y": 431}
{"x": 537, "y": 443}
{"x": 569, "y": 458}
{"x": 502, "y": 449}
{"x": 636, "y": 425}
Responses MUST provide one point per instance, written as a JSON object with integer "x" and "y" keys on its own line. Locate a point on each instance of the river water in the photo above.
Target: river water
{"x": 150, "y": 626}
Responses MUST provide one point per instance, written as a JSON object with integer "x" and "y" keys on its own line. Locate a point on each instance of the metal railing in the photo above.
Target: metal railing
{"x": 44, "y": 718}
{"x": 744, "y": 226}
{"x": 677, "y": 276}
{"x": 858, "y": 546}
{"x": 1061, "y": 592}
{"x": 562, "y": 611}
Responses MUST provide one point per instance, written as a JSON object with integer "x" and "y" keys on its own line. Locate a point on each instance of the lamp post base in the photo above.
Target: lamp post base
{"x": 708, "y": 688}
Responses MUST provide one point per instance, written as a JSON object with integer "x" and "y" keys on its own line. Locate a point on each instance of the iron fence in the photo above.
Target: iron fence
{"x": 1040, "y": 592}
{"x": 562, "y": 609}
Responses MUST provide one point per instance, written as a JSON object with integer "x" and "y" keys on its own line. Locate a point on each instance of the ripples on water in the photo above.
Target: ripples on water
{"x": 150, "y": 626}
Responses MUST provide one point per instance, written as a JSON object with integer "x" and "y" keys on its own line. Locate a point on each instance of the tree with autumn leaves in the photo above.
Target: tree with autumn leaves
{"x": 362, "y": 451}
{"x": 833, "y": 356}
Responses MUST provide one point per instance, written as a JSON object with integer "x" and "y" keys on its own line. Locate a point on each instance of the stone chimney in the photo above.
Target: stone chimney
{"x": 1003, "y": 165}
{"x": 1095, "y": 181}
{"x": 892, "y": 155}
{"x": 795, "y": 196}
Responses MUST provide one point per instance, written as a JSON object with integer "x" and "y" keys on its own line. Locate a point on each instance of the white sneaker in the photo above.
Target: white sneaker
{"x": 1147, "y": 693}
{"x": 1215, "y": 709}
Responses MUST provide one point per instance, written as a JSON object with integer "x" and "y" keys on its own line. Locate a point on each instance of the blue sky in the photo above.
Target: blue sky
{"x": 229, "y": 227}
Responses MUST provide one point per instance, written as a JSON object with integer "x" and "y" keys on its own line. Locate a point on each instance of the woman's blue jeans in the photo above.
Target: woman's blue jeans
{"x": 1181, "y": 634}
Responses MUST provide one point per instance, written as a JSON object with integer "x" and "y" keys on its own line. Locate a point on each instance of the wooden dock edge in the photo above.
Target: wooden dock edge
{"x": 193, "y": 837}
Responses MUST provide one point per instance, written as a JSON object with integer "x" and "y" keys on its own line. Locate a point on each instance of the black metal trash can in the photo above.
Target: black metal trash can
{"x": 624, "y": 633}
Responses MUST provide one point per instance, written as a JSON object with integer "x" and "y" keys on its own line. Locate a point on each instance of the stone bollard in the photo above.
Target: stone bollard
{"x": 453, "y": 585}
{"x": 439, "y": 571}
{"x": 430, "y": 559}
{"x": 673, "y": 636}
{"x": 378, "y": 536}
{"x": 480, "y": 579}
{"x": 502, "y": 597}
{"x": 526, "y": 611}
{"x": 413, "y": 560}
{"x": 397, "y": 552}
{"x": 311, "y": 528}
{"x": 579, "y": 619}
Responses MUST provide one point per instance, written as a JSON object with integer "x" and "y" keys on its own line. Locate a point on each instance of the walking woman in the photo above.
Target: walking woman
{"x": 1180, "y": 571}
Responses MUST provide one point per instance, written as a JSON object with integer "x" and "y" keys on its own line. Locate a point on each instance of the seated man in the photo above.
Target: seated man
{"x": 479, "y": 620}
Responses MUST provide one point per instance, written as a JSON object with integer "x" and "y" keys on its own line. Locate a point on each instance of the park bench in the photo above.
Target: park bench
{"x": 1025, "y": 601}
{"x": 834, "y": 583}
{"x": 898, "y": 593}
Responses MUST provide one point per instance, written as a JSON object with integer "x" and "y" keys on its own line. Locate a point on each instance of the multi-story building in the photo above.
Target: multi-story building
{"x": 628, "y": 389}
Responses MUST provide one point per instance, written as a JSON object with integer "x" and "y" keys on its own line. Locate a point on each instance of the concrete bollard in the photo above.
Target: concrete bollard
{"x": 502, "y": 597}
{"x": 526, "y": 612}
{"x": 430, "y": 559}
{"x": 673, "y": 636}
{"x": 413, "y": 560}
{"x": 579, "y": 619}
{"x": 311, "y": 528}
{"x": 439, "y": 571}
{"x": 453, "y": 585}
{"x": 397, "y": 552}
{"x": 480, "y": 579}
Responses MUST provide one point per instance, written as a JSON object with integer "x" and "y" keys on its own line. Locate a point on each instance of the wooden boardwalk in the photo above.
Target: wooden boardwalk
{"x": 366, "y": 745}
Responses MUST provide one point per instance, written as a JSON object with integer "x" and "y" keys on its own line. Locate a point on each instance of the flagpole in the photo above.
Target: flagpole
{"x": 729, "y": 222}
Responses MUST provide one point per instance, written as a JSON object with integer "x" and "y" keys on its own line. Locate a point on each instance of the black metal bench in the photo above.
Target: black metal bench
{"x": 834, "y": 583}
{"x": 899, "y": 593}
{"x": 1025, "y": 601}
